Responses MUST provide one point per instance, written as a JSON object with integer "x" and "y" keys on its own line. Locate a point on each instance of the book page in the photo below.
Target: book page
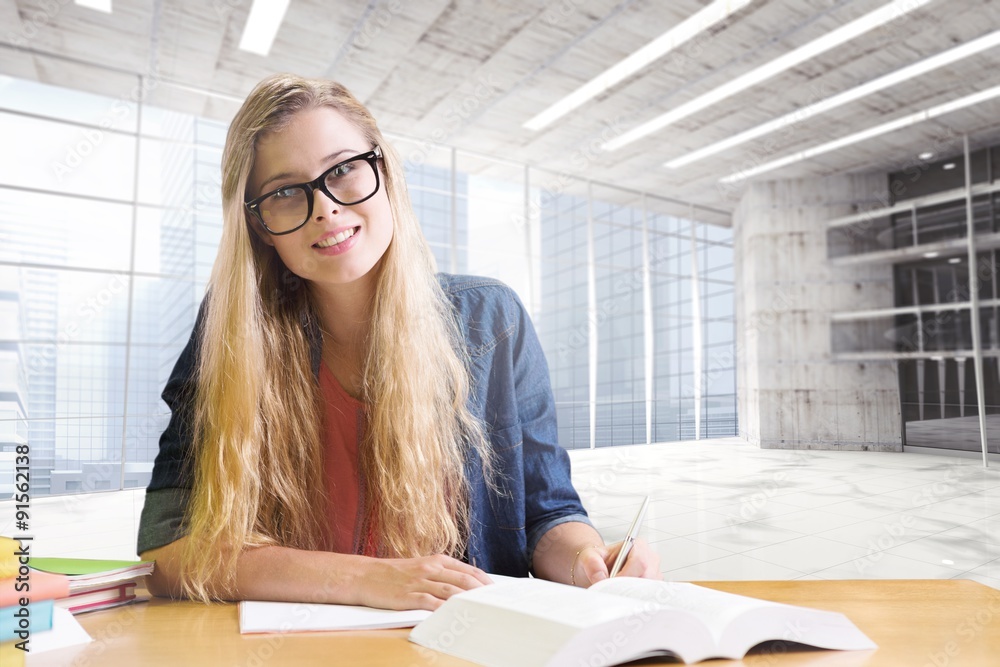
{"x": 738, "y": 622}
{"x": 538, "y": 623}
{"x": 787, "y": 623}
{"x": 714, "y": 608}
{"x": 576, "y": 607}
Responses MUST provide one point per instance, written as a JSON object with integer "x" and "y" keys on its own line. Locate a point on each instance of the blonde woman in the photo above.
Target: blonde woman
{"x": 346, "y": 425}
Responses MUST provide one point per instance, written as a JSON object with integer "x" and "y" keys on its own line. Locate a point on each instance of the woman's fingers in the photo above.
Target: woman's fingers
{"x": 419, "y": 583}
{"x": 592, "y": 564}
{"x": 441, "y": 577}
{"x": 458, "y": 574}
{"x": 641, "y": 561}
{"x": 472, "y": 571}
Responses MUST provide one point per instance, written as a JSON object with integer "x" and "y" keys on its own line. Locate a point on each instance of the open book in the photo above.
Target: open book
{"x": 537, "y": 623}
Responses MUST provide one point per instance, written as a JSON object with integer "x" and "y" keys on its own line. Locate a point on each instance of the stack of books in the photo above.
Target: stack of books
{"x": 20, "y": 622}
{"x": 93, "y": 584}
{"x": 39, "y": 597}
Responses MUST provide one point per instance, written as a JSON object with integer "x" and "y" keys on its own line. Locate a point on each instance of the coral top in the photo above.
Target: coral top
{"x": 343, "y": 427}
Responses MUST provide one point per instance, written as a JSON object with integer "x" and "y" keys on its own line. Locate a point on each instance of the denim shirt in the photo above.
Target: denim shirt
{"x": 510, "y": 393}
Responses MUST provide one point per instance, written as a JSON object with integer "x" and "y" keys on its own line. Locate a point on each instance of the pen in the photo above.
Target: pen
{"x": 633, "y": 532}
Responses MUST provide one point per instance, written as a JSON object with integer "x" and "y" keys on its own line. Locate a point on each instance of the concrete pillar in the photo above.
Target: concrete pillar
{"x": 791, "y": 393}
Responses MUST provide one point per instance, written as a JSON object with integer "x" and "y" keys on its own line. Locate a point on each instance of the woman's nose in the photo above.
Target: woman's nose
{"x": 323, "y": 205}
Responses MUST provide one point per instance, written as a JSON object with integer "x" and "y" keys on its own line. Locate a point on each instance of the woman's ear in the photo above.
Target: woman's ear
{"x": 260, "y": 232}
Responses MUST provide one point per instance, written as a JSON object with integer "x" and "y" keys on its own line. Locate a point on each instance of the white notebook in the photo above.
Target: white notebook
{"x": 302, "y": 617}
{"x": 258, "y": 617}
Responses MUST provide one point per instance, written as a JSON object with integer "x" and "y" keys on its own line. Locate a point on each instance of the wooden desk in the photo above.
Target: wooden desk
{"x": 946, "y": 623}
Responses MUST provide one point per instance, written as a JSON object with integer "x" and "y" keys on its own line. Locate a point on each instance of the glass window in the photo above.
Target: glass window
{"x": 59, "y": 230}
{"x": 84, "y": 306}
{"x": 70, "y": 294}
{"x": 67, "y": 104}
{"x": 67, "y": 159}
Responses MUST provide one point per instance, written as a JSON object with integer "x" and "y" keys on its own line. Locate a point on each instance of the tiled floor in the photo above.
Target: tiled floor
{"x": 721, "y": 509}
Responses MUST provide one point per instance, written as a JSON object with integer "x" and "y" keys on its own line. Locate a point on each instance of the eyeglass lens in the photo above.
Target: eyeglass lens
{"x": 349, "y": 182}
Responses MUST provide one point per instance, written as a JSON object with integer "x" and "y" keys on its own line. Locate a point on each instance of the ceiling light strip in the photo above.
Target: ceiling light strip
{"x": 885, "y": 128}
{"x": 99, "y": 5}
{"x": 262, "y": 25}
{"x": 856, "y": 28}
{"x": 238, "y": 99}
{"x": 899, "y": 76}
{"x": 668, "y": 41}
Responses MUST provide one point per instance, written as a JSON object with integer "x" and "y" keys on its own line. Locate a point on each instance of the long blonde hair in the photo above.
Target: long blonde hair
{"x": 258, "y": 472}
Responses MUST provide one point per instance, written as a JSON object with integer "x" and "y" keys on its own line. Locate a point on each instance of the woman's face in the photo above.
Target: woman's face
{"x": 312, "y": 142}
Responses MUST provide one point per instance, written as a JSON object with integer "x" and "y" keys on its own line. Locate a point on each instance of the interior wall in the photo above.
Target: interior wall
{"x": 792, "y": 394}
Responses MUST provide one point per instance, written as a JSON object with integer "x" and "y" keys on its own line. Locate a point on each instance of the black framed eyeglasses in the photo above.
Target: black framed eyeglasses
{"x": 350, "y": 182}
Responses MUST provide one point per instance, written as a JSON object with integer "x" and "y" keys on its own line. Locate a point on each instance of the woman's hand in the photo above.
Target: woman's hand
{"x": 594, "y": 563}
{"x": 416, "y": 583}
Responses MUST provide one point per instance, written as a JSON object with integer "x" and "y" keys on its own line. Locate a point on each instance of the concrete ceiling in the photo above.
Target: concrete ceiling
{"x": 468, "y": 73}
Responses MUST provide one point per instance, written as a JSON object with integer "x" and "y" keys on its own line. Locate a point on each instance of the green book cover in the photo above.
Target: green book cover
{"x": 81, "y": 566}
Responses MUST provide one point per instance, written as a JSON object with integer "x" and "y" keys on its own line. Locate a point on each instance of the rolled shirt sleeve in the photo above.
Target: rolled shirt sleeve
{"x": 162, "y": 518}
{"x": 550, "y": 498}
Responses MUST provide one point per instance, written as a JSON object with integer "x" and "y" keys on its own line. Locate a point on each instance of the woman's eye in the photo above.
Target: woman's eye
{"x": 285, "y": 193}
{"x": 342, "y": 170}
